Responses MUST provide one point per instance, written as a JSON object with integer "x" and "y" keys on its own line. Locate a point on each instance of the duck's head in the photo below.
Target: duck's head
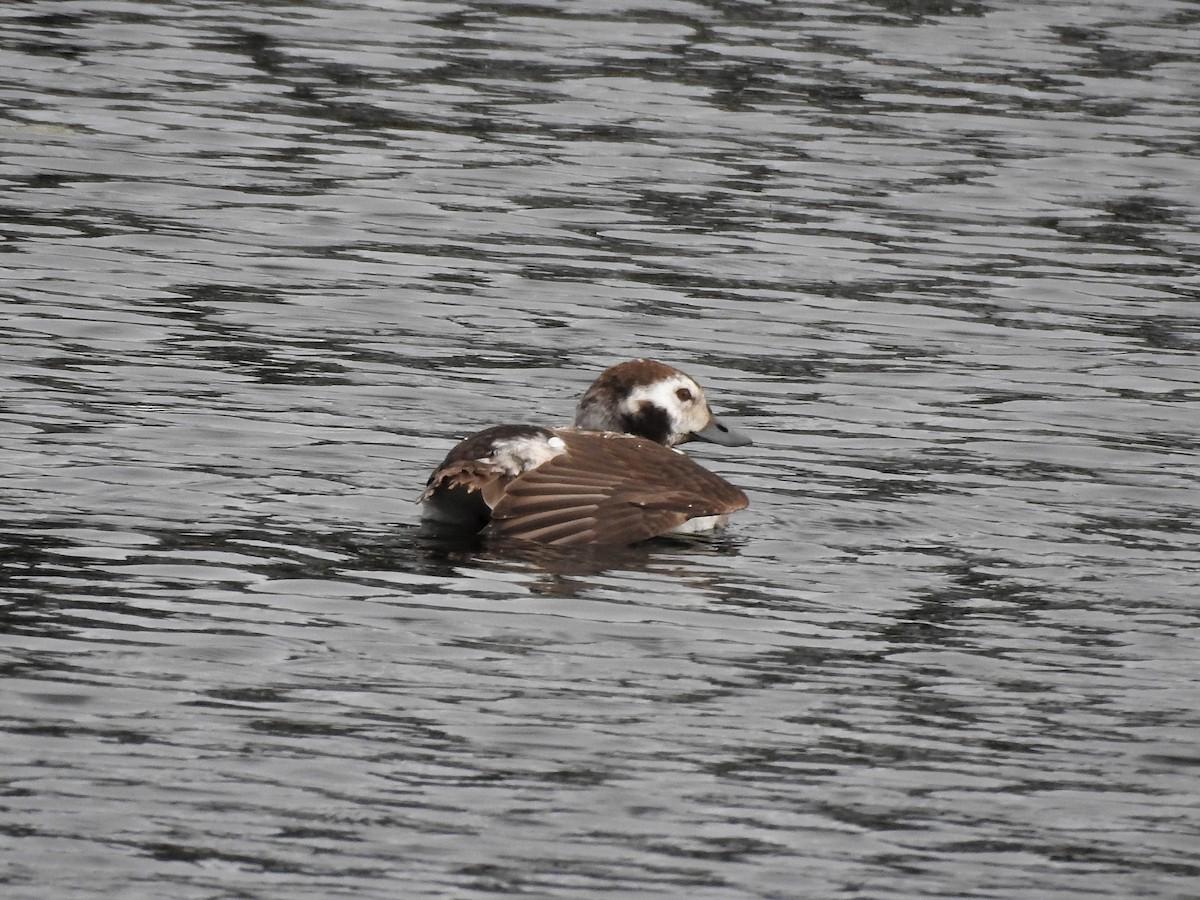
{"x": 654, "y": 401}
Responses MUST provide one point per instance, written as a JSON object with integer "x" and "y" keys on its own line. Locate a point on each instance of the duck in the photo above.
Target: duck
{"x": 615, "y": 477}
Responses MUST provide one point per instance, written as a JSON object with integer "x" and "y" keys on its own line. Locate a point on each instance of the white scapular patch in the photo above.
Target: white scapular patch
{"x": 513, "y": 456}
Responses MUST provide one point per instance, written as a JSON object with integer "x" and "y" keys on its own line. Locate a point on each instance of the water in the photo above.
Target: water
{"x": 264, "y": 263}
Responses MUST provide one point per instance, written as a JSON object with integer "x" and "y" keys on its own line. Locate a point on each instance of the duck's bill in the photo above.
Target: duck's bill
{"x": 718, "y": 432}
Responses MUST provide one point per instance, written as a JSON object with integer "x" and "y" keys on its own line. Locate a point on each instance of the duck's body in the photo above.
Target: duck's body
{"x": 612, "y": 478}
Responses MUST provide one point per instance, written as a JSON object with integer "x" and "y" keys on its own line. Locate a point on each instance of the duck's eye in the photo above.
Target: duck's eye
{"x": 684, "y": 394}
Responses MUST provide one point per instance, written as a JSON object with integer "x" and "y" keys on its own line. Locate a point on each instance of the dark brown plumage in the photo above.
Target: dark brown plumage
{"x": 609, "y": 489}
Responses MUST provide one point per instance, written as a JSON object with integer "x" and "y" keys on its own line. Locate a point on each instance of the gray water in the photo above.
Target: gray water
{"x": 263, "y": 263}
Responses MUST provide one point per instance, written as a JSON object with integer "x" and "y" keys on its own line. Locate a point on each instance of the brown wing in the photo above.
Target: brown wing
{"x": 609, "y": 489}
{"x": 472, "y": 479}
{"x": 469, "y": 474}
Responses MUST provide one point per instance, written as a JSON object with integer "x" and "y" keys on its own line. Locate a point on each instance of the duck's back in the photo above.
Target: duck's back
{"x": 610, "y": 489}
{"x": 567, "y": 487}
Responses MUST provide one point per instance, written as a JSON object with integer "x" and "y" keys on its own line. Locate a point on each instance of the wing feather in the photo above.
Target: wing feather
{"x": 609, "y": 489}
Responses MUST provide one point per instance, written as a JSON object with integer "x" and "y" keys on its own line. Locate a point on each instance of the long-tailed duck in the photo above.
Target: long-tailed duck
{"x": 612, "y": 478}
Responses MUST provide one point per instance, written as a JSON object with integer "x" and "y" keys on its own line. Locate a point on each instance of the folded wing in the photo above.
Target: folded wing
{"x": 609, "y": 489}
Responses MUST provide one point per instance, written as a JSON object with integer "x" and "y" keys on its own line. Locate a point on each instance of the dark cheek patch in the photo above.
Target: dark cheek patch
{"x": 650, "y": 422}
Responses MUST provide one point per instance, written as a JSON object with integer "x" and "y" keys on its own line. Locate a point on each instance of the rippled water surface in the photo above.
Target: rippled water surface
{"x": 262, "y": 264}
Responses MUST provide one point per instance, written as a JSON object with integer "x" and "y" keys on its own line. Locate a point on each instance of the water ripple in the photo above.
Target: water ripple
{"x": 264, "y": 265}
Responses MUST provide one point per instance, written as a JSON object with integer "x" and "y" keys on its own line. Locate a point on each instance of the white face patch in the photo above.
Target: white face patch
{"x": 687, "y": 409}
{"x": 513, "y": 456}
